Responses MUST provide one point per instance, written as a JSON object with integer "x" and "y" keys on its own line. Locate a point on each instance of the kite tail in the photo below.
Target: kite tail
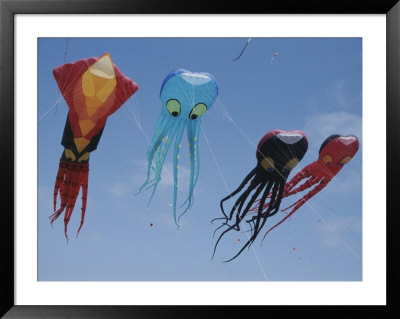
{"x": 180, "y": 129}
{"x": 300, "y": 202}
{"x": 244, "y": 48}
{"x": 193, "y": 131}
{"x": 159, "y": 159}
{"x": 163, "y": 126}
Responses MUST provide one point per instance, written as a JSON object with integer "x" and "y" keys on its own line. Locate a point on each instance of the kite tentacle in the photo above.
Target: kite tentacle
{"x": 178, "y": 138}
{"x": 307, "y": 184}
{"x": 255, "y": 219}
{"x": 163, "y": 125}
{"x": 58, "y": 187}
{"x": 64, "y": 195}
{"x": 193, "y": 140}
{"x": 258, "y": 186}
{"x": 190, "y": 137}
{"x": 72, "y": 195}
{"x": 84, "y": 182}
{"x": 304, "y": 173}
{"x": 159, "y": 159}
{"x": 196, "y": 149}
{"x": 236, "y": 191}
{"x": 300, "y": 203}
{"x": 256, "y": 228}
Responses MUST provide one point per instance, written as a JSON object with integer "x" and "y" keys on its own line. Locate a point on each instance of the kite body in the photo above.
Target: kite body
{"x": 93, "y": 89}
{"x": 185, "y": 97}
{"x": 336, "y": 151}
{"x": 278, "y": 152}
{"x": 244, "y": 48}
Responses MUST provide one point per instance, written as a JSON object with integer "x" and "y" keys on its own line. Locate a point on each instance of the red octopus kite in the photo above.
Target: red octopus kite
{"x": 93, "y": 89}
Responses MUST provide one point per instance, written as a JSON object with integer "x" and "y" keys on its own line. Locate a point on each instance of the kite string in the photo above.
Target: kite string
{"x": 58, "y": 99}
{"x": 227, "y": 188}
{"x": 227, "y": 115}
{"x": 65, "y": 59}
{"x": 333, "y": 231}
{"x": 135, "y": 117}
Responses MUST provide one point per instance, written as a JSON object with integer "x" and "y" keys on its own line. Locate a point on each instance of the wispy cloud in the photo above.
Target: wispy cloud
{"x": 331, "y": 234}
{"x": 119, "y": 189}
{"x": 93, "y": 236}
{"x": 45, "y": 199}
{"x": 346, "y": 181}
{"x": 167, "y": 175}
{"x": 319, "y": 126}
{"x": 340, "y": 97}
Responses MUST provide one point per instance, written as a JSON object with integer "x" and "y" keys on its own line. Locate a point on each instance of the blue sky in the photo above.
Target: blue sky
{"x": 314, "y": 85}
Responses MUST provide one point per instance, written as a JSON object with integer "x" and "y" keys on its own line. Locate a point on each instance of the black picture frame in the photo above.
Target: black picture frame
{"x": 8, "y": 10}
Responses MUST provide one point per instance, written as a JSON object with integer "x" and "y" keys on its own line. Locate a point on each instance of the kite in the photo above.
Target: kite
{"x": 185, "y": 97}
{"x": 93, "y": 89}
{"x": 278, "y": 152}
{"x": 273, "y": 57}
{"x": 244, "y": 48}
{"x": 336, "y": 151}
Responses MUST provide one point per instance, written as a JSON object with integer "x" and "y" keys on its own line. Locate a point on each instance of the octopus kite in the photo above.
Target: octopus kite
{"x": 93, "y": 89}
{"x": 336, "y": 151}
{"x": 278, "y": 152}
{"x": 185, "y": 97}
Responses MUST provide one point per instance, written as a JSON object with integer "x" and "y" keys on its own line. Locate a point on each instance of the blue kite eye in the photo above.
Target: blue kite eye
{"x": 197, "y": 111}
{"x": 174, "y": 107}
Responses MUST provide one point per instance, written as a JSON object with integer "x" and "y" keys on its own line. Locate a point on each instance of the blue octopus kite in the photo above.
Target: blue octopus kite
{"x": 185, "y": 97}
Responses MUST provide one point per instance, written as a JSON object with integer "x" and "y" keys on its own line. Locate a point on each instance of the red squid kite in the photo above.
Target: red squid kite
{"x": 93, "y": 89}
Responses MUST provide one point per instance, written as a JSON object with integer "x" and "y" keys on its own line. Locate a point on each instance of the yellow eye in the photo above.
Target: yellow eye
{"x": 327, "y": 159}
{"x": 84, "y": 157}
{"x": 69, "y": 154}
{"x": 197, "y": 111}
{"x": 174, "y": 107}
{"x": 290, "y": 165}
{"x": 345, "y": 160}
{"x": 268, "y": 164}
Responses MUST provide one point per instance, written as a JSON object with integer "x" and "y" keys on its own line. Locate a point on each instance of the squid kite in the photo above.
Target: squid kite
{"x": 93, "y": 89}
{"x": 336, "y": 151}
{"x": 185, "y": 97}
{"x": 278, "y": 152}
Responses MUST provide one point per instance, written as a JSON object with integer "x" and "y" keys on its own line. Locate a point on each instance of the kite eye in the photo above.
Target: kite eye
{"x": 69, "y": 154}
{"x": 268, "y": 164}
{"x": 345, "y": 160}
{"x": 327, "y": 159}
{"x": 197, "y": 111}
{"x": 290, "y": 165}
{"x": 174, "y": 107}
{"x": 84, "y": 157}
